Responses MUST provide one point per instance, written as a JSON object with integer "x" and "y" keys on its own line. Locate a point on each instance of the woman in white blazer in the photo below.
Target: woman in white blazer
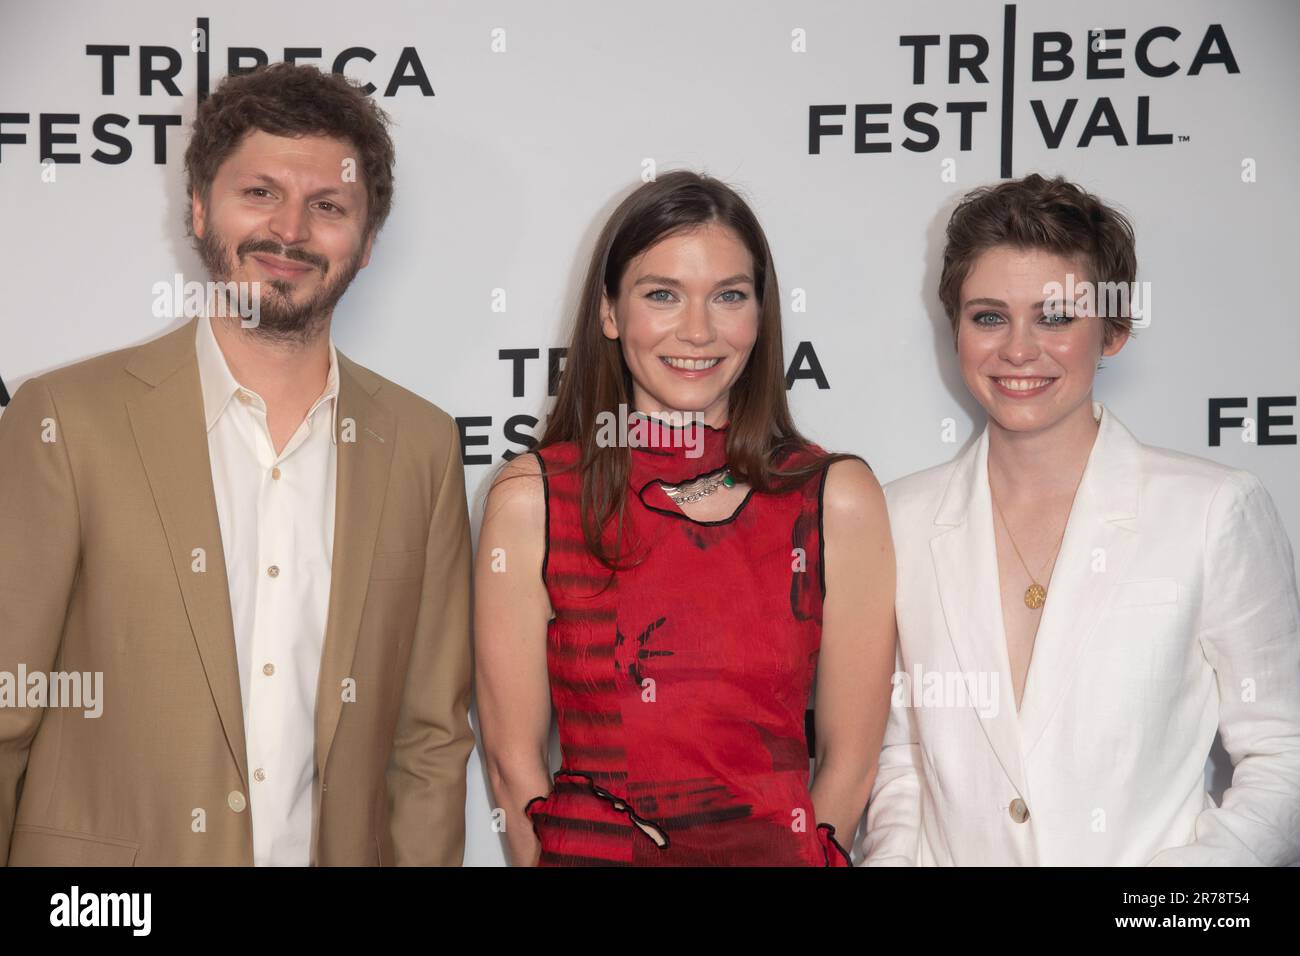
{"x": 1078, "y": 612}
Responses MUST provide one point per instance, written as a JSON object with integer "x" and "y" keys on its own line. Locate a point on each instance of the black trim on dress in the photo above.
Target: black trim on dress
{"x": 830, "y": 835}
{"x": 546, "y": 497}
{"x": 620, "y": 804}
{"x": 683, "y": 515}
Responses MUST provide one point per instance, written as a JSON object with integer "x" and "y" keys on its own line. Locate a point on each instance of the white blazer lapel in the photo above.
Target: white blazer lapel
{"x": 1099, "y": 543}
{"x": 966, "y": 569}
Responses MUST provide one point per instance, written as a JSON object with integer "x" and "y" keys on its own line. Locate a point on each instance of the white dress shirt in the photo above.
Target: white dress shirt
{"x": 277, "y": 530}
{"x": 1171, "y": 614}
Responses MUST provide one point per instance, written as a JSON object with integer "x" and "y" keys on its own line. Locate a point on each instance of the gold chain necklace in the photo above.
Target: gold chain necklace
{"x": 1035, "y": 594}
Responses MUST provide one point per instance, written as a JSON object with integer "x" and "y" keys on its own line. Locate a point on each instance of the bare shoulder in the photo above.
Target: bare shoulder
{"x": 852, "y": 494}
{"x": 859, "y": 558}
{"x": 518, "y": 490}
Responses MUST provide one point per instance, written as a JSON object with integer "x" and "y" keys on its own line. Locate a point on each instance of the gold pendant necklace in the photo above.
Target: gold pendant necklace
{"x": 1035, "y": 594}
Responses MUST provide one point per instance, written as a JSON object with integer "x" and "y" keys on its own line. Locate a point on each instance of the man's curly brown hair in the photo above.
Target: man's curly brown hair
{"x": 287, "y": 99}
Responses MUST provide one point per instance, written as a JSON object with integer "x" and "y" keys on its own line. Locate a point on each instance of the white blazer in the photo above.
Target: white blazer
{"x": 1171, "y": 613}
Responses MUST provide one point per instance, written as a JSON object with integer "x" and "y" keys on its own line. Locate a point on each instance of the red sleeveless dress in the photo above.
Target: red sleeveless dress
{"x": 680, "y": 686}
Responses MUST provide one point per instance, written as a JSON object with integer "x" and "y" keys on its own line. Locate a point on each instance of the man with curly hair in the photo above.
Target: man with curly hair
{"x": 261, "y": 546}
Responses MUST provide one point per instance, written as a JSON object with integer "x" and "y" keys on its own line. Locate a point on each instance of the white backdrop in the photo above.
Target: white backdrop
{"x": 537, "y": 118}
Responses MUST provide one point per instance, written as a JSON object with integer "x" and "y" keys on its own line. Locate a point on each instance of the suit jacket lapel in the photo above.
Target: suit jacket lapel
{"x": 1100, "y": 542}
{"x": 366, "y": 434}
{"x": 966, "y": 567}
{"x": 168, "y": 425}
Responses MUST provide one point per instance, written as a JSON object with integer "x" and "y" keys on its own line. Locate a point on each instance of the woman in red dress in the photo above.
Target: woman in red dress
{"x": 673, "y": 568}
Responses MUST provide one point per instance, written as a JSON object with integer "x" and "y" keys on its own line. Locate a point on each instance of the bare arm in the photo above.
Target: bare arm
{"x": 858, "y": 646}
{"x": 511, "y": 611}
{"x": 893, "y": 831}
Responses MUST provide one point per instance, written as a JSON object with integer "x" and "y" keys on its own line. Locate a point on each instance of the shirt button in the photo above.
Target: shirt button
{"x": 273, "y": 570}
{"x": 1019, "y": 812}
{"x": 244, "y": 397}
{"x": 268, "y": 669}
{"x": 275, "y": 474}
{"x": 236, "y": 801}
{"x": 259, "y": 774}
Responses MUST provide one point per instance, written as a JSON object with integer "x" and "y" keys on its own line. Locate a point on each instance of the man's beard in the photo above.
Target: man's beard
{"x": 279, "y": 317}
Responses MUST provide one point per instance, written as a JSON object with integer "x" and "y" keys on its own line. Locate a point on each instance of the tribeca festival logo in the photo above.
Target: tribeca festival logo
{"x": 1100, "y": 53}
{"x": 804, "y": 364}
{"x": 74, "y": 689}
{"x": 1262, "y": 428}
{"x": 153, "y": 71}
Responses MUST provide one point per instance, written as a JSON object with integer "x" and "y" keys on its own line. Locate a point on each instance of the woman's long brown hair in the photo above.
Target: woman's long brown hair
{"x": 596, "y": 378}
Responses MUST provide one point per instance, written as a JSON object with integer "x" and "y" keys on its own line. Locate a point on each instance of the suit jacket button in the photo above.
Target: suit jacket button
{"x": 1019, "y": 812}
{"x": 236, "y": 801}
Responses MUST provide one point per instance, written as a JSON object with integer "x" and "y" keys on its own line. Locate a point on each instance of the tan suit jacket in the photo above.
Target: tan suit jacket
{"x": 105, "y": 500}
